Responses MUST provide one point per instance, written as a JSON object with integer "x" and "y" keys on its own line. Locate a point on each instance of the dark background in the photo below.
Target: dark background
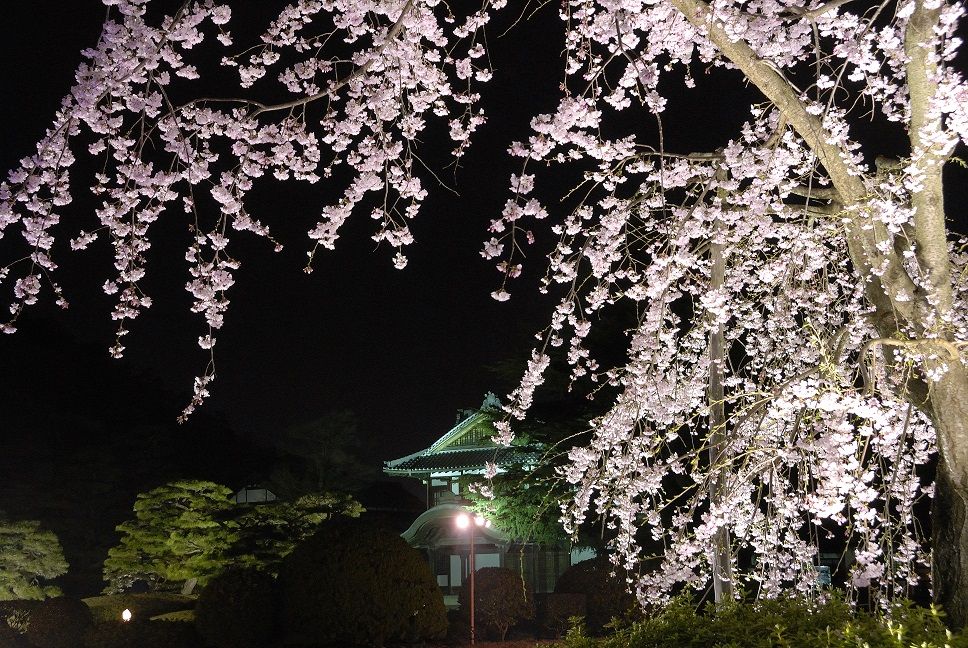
{"x": 403, "y": 349}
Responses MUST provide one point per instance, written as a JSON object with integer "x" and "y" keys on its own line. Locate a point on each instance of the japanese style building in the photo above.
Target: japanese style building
{"x": 447, "y": 468}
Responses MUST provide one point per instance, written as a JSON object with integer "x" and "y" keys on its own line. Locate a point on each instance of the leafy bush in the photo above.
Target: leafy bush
{"x": 790, "y": 623}
{"x": 143, "y": 634}
{"x": 237, "y": 609}
{"x": 501, "y": 600}
{"x": 14, "y": 619}
{"x": 269, "y": 532}
{"x": 59, "y": 623}
{"x": 18, "y": 620}
{"x": 354, "y": 583}
{"x": 606, "y": 594}
{"x": 556, "y": 610}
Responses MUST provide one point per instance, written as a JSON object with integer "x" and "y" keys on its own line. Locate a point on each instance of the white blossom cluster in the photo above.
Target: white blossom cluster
{"x": 823, "y": 449}
{"x": 360, "y": 81}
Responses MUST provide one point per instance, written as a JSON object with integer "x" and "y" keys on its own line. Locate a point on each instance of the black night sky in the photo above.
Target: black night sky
{"x": 403, "y": 350}
{"x": 80, "y": 433}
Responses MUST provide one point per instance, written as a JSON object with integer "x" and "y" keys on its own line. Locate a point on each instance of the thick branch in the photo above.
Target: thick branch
{"x": 845, "y": 177}
{"x": 928, "y": 157}
{"x": 776, "y": 88}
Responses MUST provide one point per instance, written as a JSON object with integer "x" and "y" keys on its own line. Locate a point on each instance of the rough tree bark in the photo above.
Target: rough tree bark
{"x": 948, "y": 407}
{"x": 721, "y": 553}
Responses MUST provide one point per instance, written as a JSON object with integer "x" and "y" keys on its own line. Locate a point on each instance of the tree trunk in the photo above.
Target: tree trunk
{"x": 949, "y": 514}
{"x": 721, "y": 553}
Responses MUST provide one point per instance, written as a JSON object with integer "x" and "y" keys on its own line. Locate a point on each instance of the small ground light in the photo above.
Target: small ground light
{"x": 126, "y": 615}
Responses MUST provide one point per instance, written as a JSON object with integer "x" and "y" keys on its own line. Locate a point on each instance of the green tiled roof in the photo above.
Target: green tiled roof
{"x": 465, "y": 460}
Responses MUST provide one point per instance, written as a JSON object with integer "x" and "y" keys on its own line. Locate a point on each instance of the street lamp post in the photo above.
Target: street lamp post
{"x": 464, "y": 522}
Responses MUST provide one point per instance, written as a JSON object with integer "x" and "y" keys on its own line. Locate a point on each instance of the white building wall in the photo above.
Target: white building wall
{"x": 581, "y": 555}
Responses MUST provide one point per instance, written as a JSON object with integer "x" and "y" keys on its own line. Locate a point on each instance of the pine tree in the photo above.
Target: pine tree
{"x": 29, "y": 557}
{"x": 179, "y": 534}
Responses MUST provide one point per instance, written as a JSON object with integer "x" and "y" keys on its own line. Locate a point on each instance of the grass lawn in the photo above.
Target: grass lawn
{"x": 109, "y": 607}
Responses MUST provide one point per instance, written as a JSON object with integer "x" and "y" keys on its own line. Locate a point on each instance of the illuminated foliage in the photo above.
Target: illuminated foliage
{"x": 267, "y": 533}
{"x": 29, "y": 557}
{"x": 178, "y": 533}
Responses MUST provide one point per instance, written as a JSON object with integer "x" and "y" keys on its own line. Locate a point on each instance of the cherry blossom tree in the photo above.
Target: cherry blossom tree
{"x": 797, "y": 358}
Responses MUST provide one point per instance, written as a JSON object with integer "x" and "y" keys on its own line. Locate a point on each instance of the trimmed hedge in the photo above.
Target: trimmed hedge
{"x": 108, "y": 608}
{"x": 237, "y": 609}
{"x": 9, "y": 638}
{"x": 555, "y": 611}
{"x": 501, "y": 600}
{"x": 356, "y": 583}
{"x": 143, "y": 634}
{"x": 59, "y": 623}
{"x": 606, "y": 596}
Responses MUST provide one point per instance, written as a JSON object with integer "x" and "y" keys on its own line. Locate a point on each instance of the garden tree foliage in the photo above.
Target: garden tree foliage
{"x": 178, "y": 533}
{"x": 267, "y": 533}
{"x": 193, "y": 530}
{"x": 329, "y": 451}
{"x": 355, "y": 583}
{"x": 29, "y": 557}
{"x": 501, "y": 600}
{"x": 525, "y": 504}
{"x": 798, "y": 352}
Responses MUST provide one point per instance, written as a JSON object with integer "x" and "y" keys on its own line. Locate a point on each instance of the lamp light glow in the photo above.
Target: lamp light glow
{"x": 126, "y": 615}
{"x": 463, "y": 521}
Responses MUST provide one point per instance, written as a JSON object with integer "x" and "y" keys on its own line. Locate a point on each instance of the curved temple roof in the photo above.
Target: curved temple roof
{"x": 465, "y": 448}
{"x": 437, "y": 527}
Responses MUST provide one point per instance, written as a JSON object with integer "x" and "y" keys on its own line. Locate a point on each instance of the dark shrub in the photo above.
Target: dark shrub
{"x": 9, "y": 638}
{"x": 555, "y": 610}
{"x": 354, "y": 583}
{"x": 501, "y": 600}
{"x": 237, "y": 609}
{"x": 458, "y": 630}
{"x": 606, "y": 595}
{"x": 143, "y": 634}
{"x": 59, "y": 623}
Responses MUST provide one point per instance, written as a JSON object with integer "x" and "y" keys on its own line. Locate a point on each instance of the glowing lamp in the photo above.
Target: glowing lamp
{"x": 126, "y": 615}
{"x": 463, "y": 521}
